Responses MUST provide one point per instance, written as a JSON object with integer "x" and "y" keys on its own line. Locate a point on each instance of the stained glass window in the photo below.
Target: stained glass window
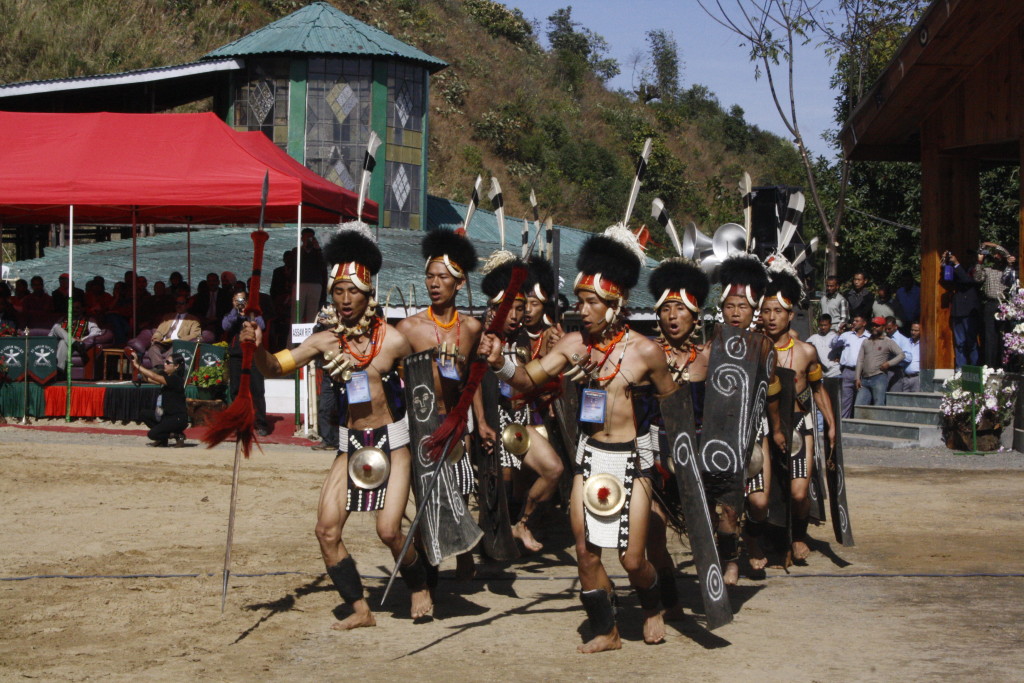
{"x": 261, "y": 102}
{"x": 338, "y": 108}
{"x": 403, "y": 182}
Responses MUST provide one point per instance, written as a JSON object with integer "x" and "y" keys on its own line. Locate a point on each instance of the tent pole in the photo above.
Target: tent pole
{"x": 135, "y": 273}
{"x": 71, "y": 292}
{"x": 298, "y": 269}
{"x": 188, "y": 232}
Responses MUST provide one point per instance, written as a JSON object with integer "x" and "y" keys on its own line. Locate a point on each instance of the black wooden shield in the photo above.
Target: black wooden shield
{"x": 494, "y": 519}
{"x": 567, "y": 413}
{"x": 447, "y": 528}
{"x": 736, "y": 393}
{"x": 835, "y": 476}
{"x": 680, "y": 432}
{"x": 816, "y": 487}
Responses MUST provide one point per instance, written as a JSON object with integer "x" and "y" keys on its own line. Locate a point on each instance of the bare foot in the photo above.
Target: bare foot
{"x": 755, "y": 554}
{"x": 523, "y": 533}
{"x": 609, "y": 641}
{"x": 359, "y": 619}
{"x": 422, "y": 604}
{"x": 732, "y": 574}
{"x": 800, "y": 551}
{"x": 654, "y": 628}
{"x": 465, "y": 570}
{"x": 674, "y": 613}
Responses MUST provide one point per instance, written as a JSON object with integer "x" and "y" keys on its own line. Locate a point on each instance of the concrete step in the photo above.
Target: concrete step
{"x": 893, "y": 413}
{"x": 883, "y": 428}
{"x": 919, "y": 399}
{"x": 869, "y": 441}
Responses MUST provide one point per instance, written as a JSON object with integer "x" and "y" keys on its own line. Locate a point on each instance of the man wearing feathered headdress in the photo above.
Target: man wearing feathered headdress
{"x": 782, "y": 296}
{"x": 611, "y": 494}
{"x": 372, "y": 469}
{"x": 450, "y": 258}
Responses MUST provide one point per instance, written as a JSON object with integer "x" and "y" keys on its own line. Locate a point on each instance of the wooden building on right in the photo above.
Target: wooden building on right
{"x": 952, "y": 99}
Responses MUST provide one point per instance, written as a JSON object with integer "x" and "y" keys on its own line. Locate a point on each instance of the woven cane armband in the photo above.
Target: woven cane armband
{"x": 814, "y": 374}
{"x": 286, "y": 360}
{"x": 536, "y": 372}
{"x": 775, "y": 388}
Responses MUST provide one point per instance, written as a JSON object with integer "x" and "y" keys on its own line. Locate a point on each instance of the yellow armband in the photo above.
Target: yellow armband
{"x": 536, "y": 372}
{"x": 286, "y": 360}
{"x": 814, "y": 374}
{"x": 775, "y": 387}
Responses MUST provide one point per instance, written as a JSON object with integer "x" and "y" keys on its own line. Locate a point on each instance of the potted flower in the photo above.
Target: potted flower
{"x": 1012, "y": 311}
{"x": 210, "y": 381}
{"x": 993, "y": 408}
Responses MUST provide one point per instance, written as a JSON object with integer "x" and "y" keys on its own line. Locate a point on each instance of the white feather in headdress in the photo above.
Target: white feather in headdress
{"x": 496, "y": 259}
{"x": 777, "y": 263}
{"x": 623, "y": 235}
{"x": 360, "y": 227}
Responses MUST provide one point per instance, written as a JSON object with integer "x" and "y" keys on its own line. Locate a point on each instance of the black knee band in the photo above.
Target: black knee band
{"x": 754, "y": 529}
{"x": 432, "y": 574}
{"x": 799, "y": 528}
{"x": 650, "y": 597}
{"x": 414, "y": 574}
{"x": 598, "y": 606}
{"x": 667, "y": 584}
{"x": 728, "y": 547}
{"x": 346, "y": 579}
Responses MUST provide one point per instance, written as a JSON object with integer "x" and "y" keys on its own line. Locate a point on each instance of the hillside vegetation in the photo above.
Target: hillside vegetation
{"x": 533, "y": 117}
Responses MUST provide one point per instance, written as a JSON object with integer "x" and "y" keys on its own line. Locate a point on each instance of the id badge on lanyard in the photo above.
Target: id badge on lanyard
{"x": 359, "y": 387}
{"x": 593, "y": 406}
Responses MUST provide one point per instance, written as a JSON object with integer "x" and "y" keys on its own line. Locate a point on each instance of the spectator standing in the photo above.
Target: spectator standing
{"x": 232, "y": 325}
{"x": 884, "y": 307}
{"x": 834, "y": 305}
{"x": 847, "y": 345}
{"x": 897, "y": 372}
{"x": 964, "y": 311}
{"x": 912, "y": 373}
{"x": 312, "y": 277}
{"x": 908, "y": 299}
{"x": 860, "y": 298}
{"x": 989, "y": 274}
{"x": 822, "y": 342}
{"x": 877, "y": 355}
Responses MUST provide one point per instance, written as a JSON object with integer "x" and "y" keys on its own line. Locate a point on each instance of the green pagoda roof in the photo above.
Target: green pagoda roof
{"x": 319, "y": 28}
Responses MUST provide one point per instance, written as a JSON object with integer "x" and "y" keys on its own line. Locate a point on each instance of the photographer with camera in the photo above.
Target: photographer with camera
{"x": 963, "y": 313}
{"x": 995, "y": 275}
{"x": 231, "y": 323}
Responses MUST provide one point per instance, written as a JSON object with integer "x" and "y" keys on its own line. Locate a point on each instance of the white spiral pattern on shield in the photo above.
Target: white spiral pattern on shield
{"x": 844, "y": 523}
{"x": 840, "y": 480}
{"x": 421, "y": 452}
{"x": 714, "y": 583}
{"x": 720, "y": 456}
{"x": 682, "y": 450}
{"x": 736, "y": 346}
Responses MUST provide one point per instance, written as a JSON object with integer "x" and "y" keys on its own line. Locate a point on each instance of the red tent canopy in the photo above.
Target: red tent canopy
{"x": 169, "y": 168}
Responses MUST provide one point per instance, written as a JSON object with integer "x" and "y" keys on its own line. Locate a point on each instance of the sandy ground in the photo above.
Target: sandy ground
{"x": 105, "y": 508}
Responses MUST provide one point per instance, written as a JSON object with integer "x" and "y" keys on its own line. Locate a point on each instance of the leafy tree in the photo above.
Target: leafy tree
{"x": 660, "y": 79}
{"x": 578, "y": 50}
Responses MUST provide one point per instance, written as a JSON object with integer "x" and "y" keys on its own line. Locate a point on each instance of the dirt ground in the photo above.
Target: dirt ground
{"x": 144, "y": 529}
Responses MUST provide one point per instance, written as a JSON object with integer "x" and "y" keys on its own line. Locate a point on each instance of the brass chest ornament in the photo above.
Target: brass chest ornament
{"x": 368, "y": 467}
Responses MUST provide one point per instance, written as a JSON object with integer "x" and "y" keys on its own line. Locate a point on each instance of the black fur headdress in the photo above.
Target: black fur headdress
{"x": 496, "y": 281}
{"x": 677, "y": 275}
{"x": 611, "y": 258}
{"x": 542, "y": 275}
{"x": 743, "y": 270}
{"x": 353, "y": 245}
{"x": 786, "y": 284}
{"x": 460, "y": 251}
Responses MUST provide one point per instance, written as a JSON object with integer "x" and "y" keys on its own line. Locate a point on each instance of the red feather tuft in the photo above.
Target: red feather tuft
{"x": 455, "y": 424}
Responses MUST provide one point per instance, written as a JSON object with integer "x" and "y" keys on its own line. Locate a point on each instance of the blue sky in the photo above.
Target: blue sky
{"x": 711, "y": 55}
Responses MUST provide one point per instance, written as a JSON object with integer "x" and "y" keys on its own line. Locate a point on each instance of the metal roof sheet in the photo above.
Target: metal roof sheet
{"x": 219, "y": 249}
{"x": 159, "y": 73}
{"x": 319, "y": 28}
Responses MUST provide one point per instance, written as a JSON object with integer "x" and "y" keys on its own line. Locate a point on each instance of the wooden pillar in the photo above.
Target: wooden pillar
{"x": 949, "y": 221}
{"x": 1020, "y": 224}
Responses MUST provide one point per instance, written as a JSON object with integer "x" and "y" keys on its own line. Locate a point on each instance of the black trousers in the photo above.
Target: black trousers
{"x": 161, "y": 430}
{"x": 991, "y": 335}
{"x": 259, "y": 400}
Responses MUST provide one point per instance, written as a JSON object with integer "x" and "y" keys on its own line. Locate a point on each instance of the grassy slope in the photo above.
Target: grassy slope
{"x": 562, "y": 138}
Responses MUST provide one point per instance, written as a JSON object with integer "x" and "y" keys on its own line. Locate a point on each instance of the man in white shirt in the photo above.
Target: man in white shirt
{"x": 822, "y": 342}
{"x": 848, "y": 346}
{"x": 892, "y": 330}
{"x": 911, "y": 380}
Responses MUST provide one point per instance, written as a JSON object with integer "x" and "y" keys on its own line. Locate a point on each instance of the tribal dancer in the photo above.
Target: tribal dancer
{"x": 679, "y": 289}
{"x": 784, "y": 292}
{"x": 450, "y": 259}
{"x": 515, "y": 409}
{"x": 372, "y": 469}
{"x": 744, "y": 281}
{"x": 611, "y": 494}
{"x": 540, "y": 307}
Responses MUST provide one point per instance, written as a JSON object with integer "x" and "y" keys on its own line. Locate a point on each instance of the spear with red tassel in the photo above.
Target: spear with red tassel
{"x": 239, "y": 418}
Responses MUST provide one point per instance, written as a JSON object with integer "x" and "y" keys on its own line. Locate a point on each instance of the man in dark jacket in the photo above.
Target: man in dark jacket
{"x": 963, "y": 313}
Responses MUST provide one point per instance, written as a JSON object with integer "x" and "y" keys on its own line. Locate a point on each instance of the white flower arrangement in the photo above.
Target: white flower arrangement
{"x": 995, "y": 403}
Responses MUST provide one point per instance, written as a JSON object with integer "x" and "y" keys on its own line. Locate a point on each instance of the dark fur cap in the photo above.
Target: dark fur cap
{"x": 743, "y": 269}
{"x": 543, "y": 274}
{"x": 497, "y": 280}
{"x": 614, "y": 260}
{"x": 352, "y": 245}
{"x": 784, "y": 283}
{"x": 675, "y": 274}
{"x": 437, "y": 243}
